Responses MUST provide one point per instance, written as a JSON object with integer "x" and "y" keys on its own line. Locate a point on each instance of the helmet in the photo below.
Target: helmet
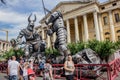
{"x": 30, "y": 26}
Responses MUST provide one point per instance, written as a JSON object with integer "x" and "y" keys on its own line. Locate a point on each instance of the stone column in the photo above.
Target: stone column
{"x": 112, "y": 26}
{"x": 76, "y": 29}
{"x": 1, "y": 46}
{"x": 9, "y": 46}
{"x": 43, "y": 36}
{"x": 53, "y": 40}
{"x": 96, "y": 26}
{"x": 100, "y": 27}
{"x": 85, "y": 27}
{"x": 48, "y": 41}
{"x": 68, "y": 31}
{"x": 54, "y": 37}
{"x": 5, "y": 47}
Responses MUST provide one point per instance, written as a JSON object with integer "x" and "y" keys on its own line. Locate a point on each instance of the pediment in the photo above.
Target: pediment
{"x": 68, "y": 6}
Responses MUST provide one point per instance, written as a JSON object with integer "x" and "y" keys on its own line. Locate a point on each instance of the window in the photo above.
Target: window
{"x": 108, "y": 39}
{"x": 114, "y": 4}
{"x": 118, "y": 31}
{"x": 105, "y": 19}
{"x": 117, "y": 18}
{"x": 118, "y": 38}
{"x": 103, "y": 8}
{"x": 95, "y": 35}
{"x": 107, "y": 33}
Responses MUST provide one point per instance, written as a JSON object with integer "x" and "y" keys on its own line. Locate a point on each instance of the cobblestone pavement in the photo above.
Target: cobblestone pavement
{"x": 5, "y": 77}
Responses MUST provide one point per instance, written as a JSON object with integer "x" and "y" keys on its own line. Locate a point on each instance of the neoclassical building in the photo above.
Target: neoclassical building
{"x": 86, "y": 20}
{"x": 4, "y": 46}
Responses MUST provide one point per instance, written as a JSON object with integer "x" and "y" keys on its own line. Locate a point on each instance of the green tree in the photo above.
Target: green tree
{"x": 103, "y": 48}
{"x": 76, "y": 47}
{"x": 54, "y": 51}
{"x": 117, "y": 44}
{"x": 12, "y": 52}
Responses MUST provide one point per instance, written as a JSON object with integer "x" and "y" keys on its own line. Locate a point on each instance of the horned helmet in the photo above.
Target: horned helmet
{"x": 30, "y": 26}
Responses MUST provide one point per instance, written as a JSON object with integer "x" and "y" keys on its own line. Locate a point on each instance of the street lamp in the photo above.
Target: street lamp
{"x": 6, "y": 33}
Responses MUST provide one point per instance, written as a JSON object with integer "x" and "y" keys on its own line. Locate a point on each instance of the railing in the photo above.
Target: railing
{"x": 114, "y": 68}
{"x": 36, "y": 69}
{"x": 108, "y": 71}
{"x": 3, "y": 67}
{"x": 85, "y": 71}
{"x": 82, "y": 71}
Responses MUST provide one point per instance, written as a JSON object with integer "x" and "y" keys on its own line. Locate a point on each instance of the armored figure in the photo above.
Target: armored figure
{"x": 33, "y": 41}
{"x": 88, "y": 56}
{"x": 56, "y": 24}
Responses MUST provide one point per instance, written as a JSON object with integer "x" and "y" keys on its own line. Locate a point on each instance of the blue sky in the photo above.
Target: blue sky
{"x": 13, "y": 15}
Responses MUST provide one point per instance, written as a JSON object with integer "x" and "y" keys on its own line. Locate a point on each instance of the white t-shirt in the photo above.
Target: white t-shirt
{"x": 9, "y": 61}
{"x": 13, "y": 67}
{"x": 25, "y": 72}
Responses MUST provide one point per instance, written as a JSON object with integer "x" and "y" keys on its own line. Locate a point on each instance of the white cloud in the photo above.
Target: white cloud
{"x": 11, "y": 14}
{"x": 12, "y": 2}
{"x": 18, "y": 21}
{"x": 7, "y": 16}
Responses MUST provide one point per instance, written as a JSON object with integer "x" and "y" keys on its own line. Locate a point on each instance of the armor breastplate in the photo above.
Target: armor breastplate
{"x": 58, "y": 24}
{"x": 29, "y": 36}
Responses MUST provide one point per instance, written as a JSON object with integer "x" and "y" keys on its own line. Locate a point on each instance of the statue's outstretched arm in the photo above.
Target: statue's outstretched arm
{"x": 50, "y": 32}
{"x": 19, "y": 37}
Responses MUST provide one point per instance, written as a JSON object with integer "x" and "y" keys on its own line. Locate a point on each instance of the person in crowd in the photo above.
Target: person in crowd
{"x": 9, "y": 60}
{"x": 22, "y": 59}
{"x": 21, "y": 69}
{"x": 47, "y": 73}
{"x": 25, "y": 71}
{"x": 69, "y": 68}
{"x": 13, "y": 69}
{"x": 31, "y": 73}
{"x": 41, "y": 67}
{"x": 31, "y": 64}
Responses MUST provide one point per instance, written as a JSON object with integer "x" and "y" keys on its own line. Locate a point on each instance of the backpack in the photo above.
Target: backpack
{"x": 41, "y": 65}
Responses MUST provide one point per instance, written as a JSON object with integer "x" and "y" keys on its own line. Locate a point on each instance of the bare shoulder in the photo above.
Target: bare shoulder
{"x": 65, "y": 62}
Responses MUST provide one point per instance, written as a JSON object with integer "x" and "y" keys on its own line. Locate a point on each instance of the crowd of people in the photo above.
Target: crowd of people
{"x": 21, "y": 69}
{"x": 24, "y": 70}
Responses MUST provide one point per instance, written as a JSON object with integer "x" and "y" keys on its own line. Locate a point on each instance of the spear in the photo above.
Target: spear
{"x": 45, "y": 9}
{"x": 3, "y": 1}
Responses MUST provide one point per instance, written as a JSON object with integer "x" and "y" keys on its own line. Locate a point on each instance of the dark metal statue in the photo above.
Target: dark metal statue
{"x": 33, "y": 41}
{"x": 56, "y": 25}
{"x": 88, "y": 56}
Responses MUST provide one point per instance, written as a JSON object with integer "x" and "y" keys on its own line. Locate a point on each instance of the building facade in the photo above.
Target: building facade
{"x": 88, "y": 20}
{"x": 4, "y": 46}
